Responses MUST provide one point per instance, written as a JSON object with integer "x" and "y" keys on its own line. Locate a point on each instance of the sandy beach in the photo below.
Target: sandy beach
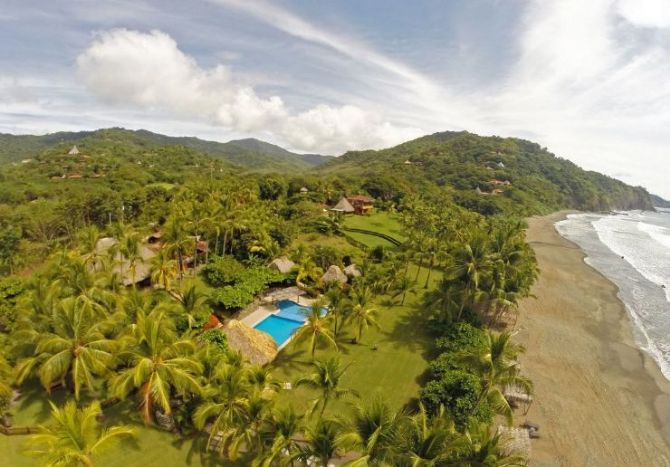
{"x": 599, "y": 400}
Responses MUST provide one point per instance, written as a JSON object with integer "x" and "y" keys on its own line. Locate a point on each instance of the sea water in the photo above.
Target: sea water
{"x": 632, "y": 249}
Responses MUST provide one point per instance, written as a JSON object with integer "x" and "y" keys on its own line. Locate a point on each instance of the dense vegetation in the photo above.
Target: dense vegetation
{"x": 125, "y": 358}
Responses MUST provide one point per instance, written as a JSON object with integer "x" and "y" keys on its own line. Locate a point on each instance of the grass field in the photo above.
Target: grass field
{"x": 389, "y": 362}
{"x": 381, "y": 222}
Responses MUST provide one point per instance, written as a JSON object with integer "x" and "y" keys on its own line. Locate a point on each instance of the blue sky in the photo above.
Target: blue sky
{"x": 586, "y": 79}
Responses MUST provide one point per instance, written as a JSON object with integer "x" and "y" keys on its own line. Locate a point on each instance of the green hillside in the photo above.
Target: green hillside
{"x": 250, "y": 153}
{"x": 530, "y": 178}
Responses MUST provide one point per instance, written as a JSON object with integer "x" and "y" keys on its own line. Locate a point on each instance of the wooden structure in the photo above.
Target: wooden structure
{"x": 362, "y": 204}
{"x": 343, "y": 206}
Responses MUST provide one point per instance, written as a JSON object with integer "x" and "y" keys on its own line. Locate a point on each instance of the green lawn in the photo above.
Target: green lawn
{"x": 381, "y": 222}
{"x": 393, "y": 370}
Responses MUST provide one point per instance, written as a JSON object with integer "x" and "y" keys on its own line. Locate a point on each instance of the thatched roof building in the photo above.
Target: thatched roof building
{"x": 515, "y": 440}
{"x": 334, "y": 274}
{"x": 122, "y": 266}
{"x": 343, "y": 205}
{"x": 352, "y": 271}
{"x": 74, "y": 151}
{"x": 282, "y": 264}
{"x": 255, "y": 346}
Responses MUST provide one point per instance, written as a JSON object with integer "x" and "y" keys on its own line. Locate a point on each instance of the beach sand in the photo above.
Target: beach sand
{"x": 599, "y": 400}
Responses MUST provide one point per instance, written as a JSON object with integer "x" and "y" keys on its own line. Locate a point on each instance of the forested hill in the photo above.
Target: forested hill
{"x": 249, "y": 153}
{"x": 489, "y": 175}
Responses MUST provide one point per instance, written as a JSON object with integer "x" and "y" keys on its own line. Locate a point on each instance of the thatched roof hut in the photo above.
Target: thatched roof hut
{"x": 122, "y": 266}
{"x": 352, "y": 271}
{"x": 516, "y": 395}
{"x": 334, "y": 274}
{"x": 255, "y": 346}
{"x": 282, "y": 264}
{"x": 514, "y": 440}
{"x": 343, "y": 205}
{"x": 74, "y": 151}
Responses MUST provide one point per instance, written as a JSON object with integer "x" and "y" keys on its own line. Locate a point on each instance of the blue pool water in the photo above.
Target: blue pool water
{"x": 283, "y": 324}
{"x": 279, "y": 328}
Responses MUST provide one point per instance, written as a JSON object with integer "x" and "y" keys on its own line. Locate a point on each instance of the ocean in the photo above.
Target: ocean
{"x": 632, "y": 249}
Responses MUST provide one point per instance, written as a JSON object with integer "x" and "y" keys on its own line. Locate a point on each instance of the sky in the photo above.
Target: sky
{"x": 590, "y": 80}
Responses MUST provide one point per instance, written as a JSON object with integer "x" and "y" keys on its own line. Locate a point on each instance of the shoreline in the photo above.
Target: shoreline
{"x": 599, "y": 398}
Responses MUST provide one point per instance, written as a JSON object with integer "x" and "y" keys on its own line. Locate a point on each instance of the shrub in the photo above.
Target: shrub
{"x": 460, "y": 337}
{"x": 222, "y": 271}
{"x": 458, "y": 391}
{"x": 251, "y": 283}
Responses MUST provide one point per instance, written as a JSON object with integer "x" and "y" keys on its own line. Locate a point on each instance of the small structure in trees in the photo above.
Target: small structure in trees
{"x": 343, "y": 206}
{"x": 304, "y": 190}
{"x": 362, "y": 204}
{"x": 74, "y": 151}
{"x": 334, "y": 274}
{"x": 282, "y": 264}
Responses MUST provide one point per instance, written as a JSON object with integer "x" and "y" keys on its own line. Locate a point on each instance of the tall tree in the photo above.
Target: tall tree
{"x": 75, "y": 437}
{"x": 326, "y": 379}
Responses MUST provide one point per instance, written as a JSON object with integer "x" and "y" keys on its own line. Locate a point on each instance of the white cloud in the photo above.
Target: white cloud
{"x": 148, "y": 70}
{"x": 645, "y": 13}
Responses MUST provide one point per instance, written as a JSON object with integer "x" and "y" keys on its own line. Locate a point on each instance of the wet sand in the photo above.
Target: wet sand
{"x": 599, "y": 400}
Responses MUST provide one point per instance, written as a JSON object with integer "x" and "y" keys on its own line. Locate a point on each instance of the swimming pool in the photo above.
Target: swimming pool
{"x": 282, "y": 325}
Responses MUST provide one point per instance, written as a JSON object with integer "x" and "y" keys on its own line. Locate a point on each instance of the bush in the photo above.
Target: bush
{"x": 458, "y": 391}
{"x": 215, "y": 338}
{"x": 222, "y": 271}
{"x": 460, "y": 337}
{"x": 325, "y": 256}
{"x": 251, "y": 283}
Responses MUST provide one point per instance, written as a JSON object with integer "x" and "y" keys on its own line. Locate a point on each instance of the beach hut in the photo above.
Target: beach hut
{"x": 282, "y": 264}
{"x": 255, "y": 346}
{"x": 343, "y": 206}
{"x": 352, "y": 271}
{"x": 334, "y": 274}
{"x": 304, "y": 190}
{"x": 74, "y": 151}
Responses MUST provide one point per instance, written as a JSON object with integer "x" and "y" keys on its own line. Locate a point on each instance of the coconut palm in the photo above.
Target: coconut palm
{"x": 372, "y": 433}
{"x": 326, "y": 379}
{"x": 486, "y": 448}
{"x": 281, "y": 436}
{"x": 316, "y": 329}
{"x": 427, "y": 441}
{"x": 192, "y": 304}
{"x": 226, "y": 403}
{"x": 337, "y": 308}
{"x": 361, "y": 315}
{"x": 178, "y": 241}
{"x": 497, "y": 367}
{"x": 159, "y": 365}
{"x": 130, "y": 250}
{"x": 163, "y": 269}
{"x": 76, "y": 347}
{"x": 75, "y": 437}
{"x": 323, "y": 443}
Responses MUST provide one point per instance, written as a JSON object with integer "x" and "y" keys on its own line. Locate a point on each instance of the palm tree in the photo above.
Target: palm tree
{"x": 484, "y": 448}
{"x": 428, "y": 441}
{"x": 323, "y": 442}
{"x": 178, "y": 241}
{"x": 315, "y": 329}
{"x": 497, "y": 368}
{"x": 76, "y": 346}
{"x": 226, "y": 403}
{"x": 372, "y": 432}
{"x": 158, "y": 365}
{"x": 337, "y": 308}
{"x": 130, "y": 250}
{"x": 163, "y": 269}
{"x": 326, "y": 378}
{"x": 75, "y": 437}
{"x": 283, "y": 429}
{"x": 361, "y": 315}
{"x": 192, "y": 304}
{"x": 471, "y": 264}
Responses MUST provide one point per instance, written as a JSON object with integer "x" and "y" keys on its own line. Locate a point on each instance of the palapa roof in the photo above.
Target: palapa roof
{"x": 122, "y": 266}
{"x": 352, "y": 271}
{"x": 282, "y": 264}
{"x": 334, "y": 274}
{"x": 255, "y": 346}
{"x": 514, "y": 440}
{"x": 304, "y": 189}
{"x": 74, "y": 151}
{"x": 343, "y": 205}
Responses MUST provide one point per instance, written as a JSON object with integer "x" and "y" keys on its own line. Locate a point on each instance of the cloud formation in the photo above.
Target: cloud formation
{"x": 122, "y": 66}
